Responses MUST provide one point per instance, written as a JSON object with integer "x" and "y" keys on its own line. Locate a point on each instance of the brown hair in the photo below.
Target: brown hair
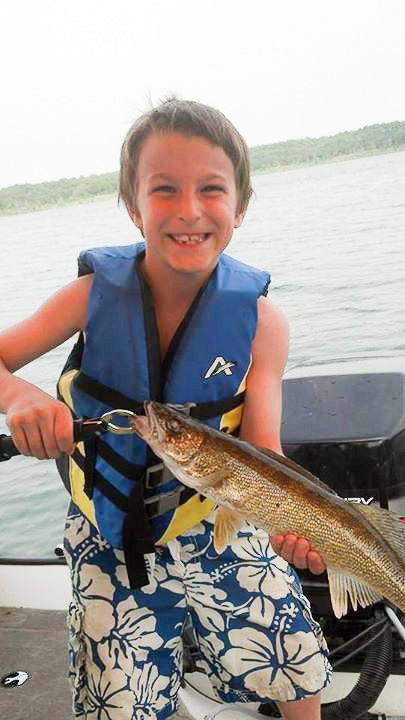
{"x": 190, "y": 119}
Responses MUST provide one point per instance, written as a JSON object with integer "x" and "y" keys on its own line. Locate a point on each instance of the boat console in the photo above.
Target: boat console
{"x": 345, "y": 422}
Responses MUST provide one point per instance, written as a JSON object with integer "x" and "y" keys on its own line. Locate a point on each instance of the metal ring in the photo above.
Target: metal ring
{"x": 118, "y": 429}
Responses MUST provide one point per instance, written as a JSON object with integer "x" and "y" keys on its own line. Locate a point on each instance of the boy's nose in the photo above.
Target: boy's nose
{"x": 189, "y": 209}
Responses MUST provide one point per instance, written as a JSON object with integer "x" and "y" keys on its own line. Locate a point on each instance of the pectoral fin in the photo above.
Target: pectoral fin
{"x": 227, "y": 524}
{"x": 341, "y": 586}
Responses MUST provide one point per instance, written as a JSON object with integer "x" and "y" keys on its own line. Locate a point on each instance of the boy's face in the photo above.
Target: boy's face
{"x": 186, "y": 203}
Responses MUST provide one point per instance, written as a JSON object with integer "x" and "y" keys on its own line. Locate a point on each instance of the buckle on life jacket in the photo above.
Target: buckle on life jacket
{"x": 157, "y": 475}
{"x": 160, "y": 504}
{"x": 185, "y": 408}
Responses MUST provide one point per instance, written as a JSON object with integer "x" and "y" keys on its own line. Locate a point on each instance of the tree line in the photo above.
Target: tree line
{"x": 373, "y": 138}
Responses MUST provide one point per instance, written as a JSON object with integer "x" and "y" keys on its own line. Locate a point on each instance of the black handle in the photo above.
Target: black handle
{"x": 7, "y": 448}
{"x": 82, "y": 429}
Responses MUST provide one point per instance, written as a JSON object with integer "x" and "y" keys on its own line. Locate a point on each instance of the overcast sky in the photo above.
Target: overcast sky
{"x": 75, "y": 73}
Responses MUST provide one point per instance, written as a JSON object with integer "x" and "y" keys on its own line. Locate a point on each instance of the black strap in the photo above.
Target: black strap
{"x": 181, "y": 330}
{"x": 151, "y": 335}
{"x": 137, "y": 539}
{"x": 130, "y": 470}
{"x": 103, "y": 393}
{"x": 207, "y": 410}
{"x": 90, "y": 452}
{"x": 137, "y": 532}
{"x": 115, "y": 496}
{"x": 114, "y": 398}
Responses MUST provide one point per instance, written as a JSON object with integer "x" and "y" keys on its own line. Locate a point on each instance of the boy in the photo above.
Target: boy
{"x": 175, "y": 320}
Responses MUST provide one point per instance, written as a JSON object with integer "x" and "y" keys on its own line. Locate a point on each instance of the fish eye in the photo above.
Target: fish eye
{"x": 174, "y": 425}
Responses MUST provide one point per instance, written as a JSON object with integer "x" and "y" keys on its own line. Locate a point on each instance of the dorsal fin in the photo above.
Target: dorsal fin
{"x": 298, "y": 468}
{"x": 389, "y": 525}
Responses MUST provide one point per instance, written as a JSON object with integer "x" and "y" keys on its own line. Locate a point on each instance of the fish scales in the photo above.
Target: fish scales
{"x": 279, "y": 496}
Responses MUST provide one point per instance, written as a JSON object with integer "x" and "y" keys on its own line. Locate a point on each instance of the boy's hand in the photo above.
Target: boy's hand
{"x": 297, "y": 551}
{"x": 40, "y": 425}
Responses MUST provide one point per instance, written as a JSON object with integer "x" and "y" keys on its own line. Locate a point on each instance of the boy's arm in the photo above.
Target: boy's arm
{"x": 40, "y": 425}
{"x": 262, "y": 413}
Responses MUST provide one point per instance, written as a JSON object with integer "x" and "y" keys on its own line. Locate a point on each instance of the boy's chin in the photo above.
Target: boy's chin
{"x": 195, "y": 267}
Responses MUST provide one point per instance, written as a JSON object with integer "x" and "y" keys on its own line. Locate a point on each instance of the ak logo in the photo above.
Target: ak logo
{"x": 219, "y": 365}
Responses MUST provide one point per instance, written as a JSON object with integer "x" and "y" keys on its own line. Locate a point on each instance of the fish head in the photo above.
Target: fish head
{"x": 182, "y": 443}
{"x": 167, "y": 432}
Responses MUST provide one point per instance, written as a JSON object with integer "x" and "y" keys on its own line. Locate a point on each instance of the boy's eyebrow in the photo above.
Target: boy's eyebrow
{"x": 154, "y": 176}
{"x": 216, "y": 176}
{"x": 204, "y": 178}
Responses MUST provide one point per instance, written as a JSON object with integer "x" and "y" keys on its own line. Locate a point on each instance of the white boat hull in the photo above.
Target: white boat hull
{"x": 198, "y": 697}
{"x": 40, "y": 587}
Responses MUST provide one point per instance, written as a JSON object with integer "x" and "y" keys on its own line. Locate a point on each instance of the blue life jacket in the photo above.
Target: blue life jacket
{"x": 115, "y": 480}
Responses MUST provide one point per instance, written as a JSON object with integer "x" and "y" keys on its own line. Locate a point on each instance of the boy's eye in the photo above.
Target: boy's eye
{"x": 164, "y": 189}
{"x": 214, "y": 188}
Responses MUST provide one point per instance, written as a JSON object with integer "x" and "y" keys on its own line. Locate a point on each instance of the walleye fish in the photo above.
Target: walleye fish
{"x": 363, "y": 547}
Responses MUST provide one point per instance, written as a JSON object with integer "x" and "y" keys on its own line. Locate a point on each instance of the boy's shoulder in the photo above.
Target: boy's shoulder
{"x": 114, "y": 251}
{"x": 95, "y": 258}
{"x": 228, "y": 263}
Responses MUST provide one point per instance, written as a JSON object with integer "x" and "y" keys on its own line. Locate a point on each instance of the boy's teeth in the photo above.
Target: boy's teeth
{"x": 188, "y": 239}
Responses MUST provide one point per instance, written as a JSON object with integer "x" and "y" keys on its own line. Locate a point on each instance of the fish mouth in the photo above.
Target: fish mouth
{"x": 147, "y": 426}
{"x": 156, "y": 431}
{"x": 141, "y": 425}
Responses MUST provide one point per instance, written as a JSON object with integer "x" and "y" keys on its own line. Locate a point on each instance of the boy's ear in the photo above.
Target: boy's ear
{"x": 135, "y": 217}
{"x": 239, "y": 218}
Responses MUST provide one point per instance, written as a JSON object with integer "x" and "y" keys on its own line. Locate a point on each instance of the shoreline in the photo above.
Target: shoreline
{"x": 343, "y": 157}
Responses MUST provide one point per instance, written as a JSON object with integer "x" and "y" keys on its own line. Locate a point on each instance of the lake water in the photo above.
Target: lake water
{"x": 332, "y": 236}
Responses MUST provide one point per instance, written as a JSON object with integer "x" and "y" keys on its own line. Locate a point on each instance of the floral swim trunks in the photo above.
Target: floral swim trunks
{"x": 254, "y": 628}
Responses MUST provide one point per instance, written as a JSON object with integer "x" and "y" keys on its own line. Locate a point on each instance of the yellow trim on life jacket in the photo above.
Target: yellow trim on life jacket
{"x": 186, "y": 516}
{"x": 76, "y": 475}
{"x": 232, "y": 419}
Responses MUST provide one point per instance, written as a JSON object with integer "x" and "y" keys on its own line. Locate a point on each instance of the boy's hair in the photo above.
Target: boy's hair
{"x": 191, "y": 119}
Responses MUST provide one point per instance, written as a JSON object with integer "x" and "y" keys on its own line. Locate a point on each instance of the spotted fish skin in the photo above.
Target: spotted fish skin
{"x": 362, "y": 547}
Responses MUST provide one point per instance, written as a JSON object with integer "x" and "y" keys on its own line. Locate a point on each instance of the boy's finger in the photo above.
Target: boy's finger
{"x": 300, "y": 554}
{"x": 34, "y": 442}
{"x": 277, "y": 543}
{"x": 288, "y": 548}
{"x": 64, "y": 431}
{"x": 315, "y": 563}
{"x": 20, "y": 441}
{"x": 46, "y": 427}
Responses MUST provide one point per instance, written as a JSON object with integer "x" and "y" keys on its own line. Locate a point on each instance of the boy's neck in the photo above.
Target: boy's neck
{"x": 178, "y": 290}
{"x": 172, "y": 299}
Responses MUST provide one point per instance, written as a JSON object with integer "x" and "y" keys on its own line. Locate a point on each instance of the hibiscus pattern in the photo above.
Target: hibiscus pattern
{"x": 253, "y": 626}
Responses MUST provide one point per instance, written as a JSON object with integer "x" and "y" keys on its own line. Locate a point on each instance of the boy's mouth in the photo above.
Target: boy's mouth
{"x": 192, "y": 239}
